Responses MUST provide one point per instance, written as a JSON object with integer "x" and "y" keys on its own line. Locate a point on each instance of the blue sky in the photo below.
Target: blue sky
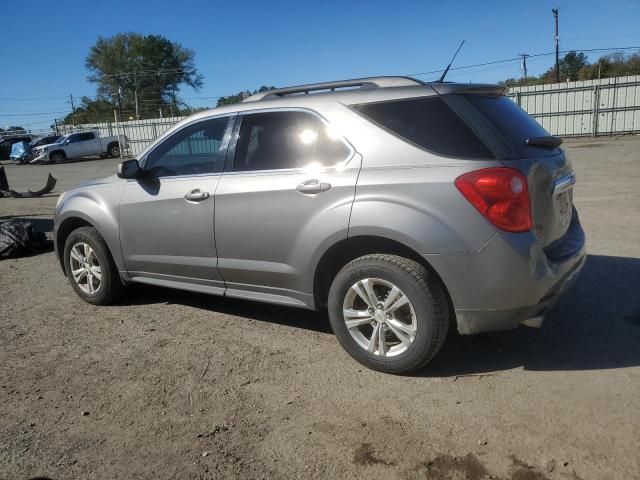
{"x": 242, "y": 45}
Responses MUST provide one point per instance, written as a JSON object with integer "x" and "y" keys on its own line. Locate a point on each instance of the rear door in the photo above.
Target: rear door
{"x": 287, "y": 189}
{"x": 88, "y": 144}
{"x": 73, "y": 147}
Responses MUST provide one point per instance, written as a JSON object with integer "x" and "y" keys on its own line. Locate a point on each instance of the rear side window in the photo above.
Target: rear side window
{"x": 428, "y": 123}
{"x": 286, "y": 139}
{"x": 82, "y": 137}
{"x": 513, "y": 123}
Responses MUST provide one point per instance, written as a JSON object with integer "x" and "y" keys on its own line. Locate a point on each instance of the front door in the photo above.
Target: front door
{"x": 287, "y": 191}
{"x": 73, "y": 149}
{"x": 166, "y": 216}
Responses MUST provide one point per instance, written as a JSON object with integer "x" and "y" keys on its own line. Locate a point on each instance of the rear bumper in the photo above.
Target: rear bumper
{"x": 510, "y": 280}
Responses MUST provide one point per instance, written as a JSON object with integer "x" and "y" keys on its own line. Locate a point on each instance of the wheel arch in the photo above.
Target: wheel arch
{"x": 65, "y": 228}
{"x": 350, "y": 248}
{"x": 112, "y": 144}
{"x": 73, "y": 222}
{"x": 59, "y": 150}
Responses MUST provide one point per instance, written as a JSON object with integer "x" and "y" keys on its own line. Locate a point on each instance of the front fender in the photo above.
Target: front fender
{"x": 98, "y": 206}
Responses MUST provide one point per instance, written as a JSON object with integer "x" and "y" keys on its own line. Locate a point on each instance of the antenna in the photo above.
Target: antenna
{"x": 446, "y": 70}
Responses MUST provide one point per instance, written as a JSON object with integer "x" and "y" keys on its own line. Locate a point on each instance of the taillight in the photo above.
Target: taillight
{"x": 501, "y": 195}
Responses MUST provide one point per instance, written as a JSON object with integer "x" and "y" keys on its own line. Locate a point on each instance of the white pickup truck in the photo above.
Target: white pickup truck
{"x": 83, "y": 144}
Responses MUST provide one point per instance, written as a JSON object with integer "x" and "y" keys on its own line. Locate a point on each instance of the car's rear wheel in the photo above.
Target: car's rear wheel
{"x": 58, "y": 157}
{"x": 388, "y": 312}
{"x": 114, "y": 150}
{"x": 90, "y": 267}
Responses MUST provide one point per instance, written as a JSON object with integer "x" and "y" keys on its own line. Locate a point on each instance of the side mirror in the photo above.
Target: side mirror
{"x": 129, "y": 169}
{"x": 67, "y": 141}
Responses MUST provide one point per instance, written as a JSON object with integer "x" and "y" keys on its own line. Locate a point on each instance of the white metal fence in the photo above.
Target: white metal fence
{"x": 139, "y": 133}
{"x": 610, "y": 106}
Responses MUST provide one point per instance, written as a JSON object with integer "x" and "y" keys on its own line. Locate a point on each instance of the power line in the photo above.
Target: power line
{"x": 518, "y": 58}
{"x": 214, "y": 97}
{"x": 31, "y": 98}
{"x": 32, "y": 114}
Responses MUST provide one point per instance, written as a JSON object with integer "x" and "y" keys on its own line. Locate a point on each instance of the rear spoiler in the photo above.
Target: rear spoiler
{"x": 478, "y": 88}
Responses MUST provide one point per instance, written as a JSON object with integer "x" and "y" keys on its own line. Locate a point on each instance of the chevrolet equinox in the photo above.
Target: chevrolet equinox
{"x": 401, "y": 207}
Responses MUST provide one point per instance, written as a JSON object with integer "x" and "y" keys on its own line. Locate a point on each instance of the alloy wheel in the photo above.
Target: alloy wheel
{"x": 85, "y": 268}
{"x": 379, "y": 317}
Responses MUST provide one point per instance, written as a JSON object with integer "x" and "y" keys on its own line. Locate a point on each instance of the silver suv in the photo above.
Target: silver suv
{"x": 400, "y": 206}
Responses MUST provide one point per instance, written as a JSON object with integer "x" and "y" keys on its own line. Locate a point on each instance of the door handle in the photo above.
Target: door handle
{"x": 310, "y": 187}
{"x": 196, "y": 195}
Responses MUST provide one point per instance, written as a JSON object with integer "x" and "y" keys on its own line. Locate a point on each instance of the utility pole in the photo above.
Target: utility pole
{"x": 524, "y": 65}
{"x": 55, "y": 122}
{"x": 119, "y": 101}
{"x": 557, "y": 40}
{"x": 135, "y": 94}
{"x": 73, "y": 109}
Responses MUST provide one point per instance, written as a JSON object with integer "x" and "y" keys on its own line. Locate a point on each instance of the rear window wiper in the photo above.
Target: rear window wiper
{"x": 547, "y": 142}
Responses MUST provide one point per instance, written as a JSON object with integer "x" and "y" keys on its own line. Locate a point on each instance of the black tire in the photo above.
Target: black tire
{"x": 111, "y": 286}
{"x": 426, "y": 295}
{"x": 114, "y": 150}
{"x": 58, "y": 157}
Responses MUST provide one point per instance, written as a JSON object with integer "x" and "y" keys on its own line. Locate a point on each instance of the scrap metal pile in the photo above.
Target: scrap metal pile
{"x": 5, "y": 191}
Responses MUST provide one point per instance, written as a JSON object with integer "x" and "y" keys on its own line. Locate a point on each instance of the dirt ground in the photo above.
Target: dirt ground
{"x": 169, "y": 384}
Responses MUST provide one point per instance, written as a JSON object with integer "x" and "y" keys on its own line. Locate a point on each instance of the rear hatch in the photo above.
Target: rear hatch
{"x": 477, "y": 122}
{"x": 521, "y": 143}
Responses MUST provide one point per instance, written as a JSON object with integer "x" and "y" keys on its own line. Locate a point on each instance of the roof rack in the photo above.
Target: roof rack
{"x": 369, "y": 82}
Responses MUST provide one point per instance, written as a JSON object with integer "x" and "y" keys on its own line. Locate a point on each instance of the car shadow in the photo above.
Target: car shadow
{"x": 596, "y": 325}
{"x": 263, "y": 312}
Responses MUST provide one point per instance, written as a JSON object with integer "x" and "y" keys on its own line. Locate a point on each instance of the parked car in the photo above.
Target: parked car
{"x": 46, "y": 140}
{"x": 7, "y": 142}
{"x": 75, "y": 145}
{"x": 399, "y": 206}
{"x": 22, "y": 152}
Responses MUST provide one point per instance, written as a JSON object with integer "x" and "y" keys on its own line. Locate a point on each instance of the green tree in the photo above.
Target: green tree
{"x": 614, "y": 65}
{"x": 92, "y": 111}
{"x": 237, "y": 98}
{"x": 151, "y": 65}
{"x": 571, "y": 64}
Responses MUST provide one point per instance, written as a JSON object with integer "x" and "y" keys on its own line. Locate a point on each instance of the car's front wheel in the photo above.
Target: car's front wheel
{"x": 388, "y": 312}
{"x": 58, "y": 157}
{"x": 90, "y": 267}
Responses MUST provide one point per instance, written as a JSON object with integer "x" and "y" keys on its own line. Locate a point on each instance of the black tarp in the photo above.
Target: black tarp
{"x": 18, "y": 239}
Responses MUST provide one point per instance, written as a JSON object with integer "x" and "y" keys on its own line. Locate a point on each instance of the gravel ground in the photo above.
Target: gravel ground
{"x": 169, "y": 384}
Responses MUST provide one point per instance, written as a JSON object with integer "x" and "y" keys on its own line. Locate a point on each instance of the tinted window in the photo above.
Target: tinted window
{"x": 428, "y": 123}
{"x": 512, "y": 122}
{"x": 280, "y": 140}
{"x": 82, "y": 137}
{"x": 74, "y": 138}
{"x": 193, "y": 150}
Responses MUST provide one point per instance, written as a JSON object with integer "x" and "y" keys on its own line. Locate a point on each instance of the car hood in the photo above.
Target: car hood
{"x": 113, "y": 179}
{"x": 47, "y": 145}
